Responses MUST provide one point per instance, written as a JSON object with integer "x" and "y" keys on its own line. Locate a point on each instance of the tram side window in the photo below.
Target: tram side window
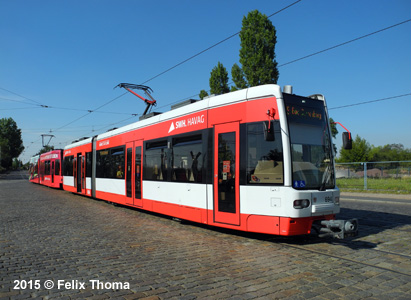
{"x": 264, "y": 158}
{"x": 88, "y": 164}
{"x": 47, "y": 167}
{"x": 68, "y": 165}
{"x": 187, "y": 159}
{"x": 110, "y": 163}
{"x": 57, "y": 167}
{"x": 156, "y": 161}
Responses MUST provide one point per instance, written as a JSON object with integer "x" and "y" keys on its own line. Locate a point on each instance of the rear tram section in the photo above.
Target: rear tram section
{"x": 257, "y": 160}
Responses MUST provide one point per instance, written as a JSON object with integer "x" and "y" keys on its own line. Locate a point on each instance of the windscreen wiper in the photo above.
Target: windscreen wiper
{"x": 326, "y": 175}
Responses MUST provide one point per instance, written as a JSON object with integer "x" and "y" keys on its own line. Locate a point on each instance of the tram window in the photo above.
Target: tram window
{"x": 57, "y": 167}
{"x": 47, "y": 167}
{"x": 68, "y": 165}
{"x": 264, "y": 158}
{"x": 110, "y": 163}
{"x": 187, "y": 159}
{"x": 88, "y": 164}
{"x": 156, "y": 161}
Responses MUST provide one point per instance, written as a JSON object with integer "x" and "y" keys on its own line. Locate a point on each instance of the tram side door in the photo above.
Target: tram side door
{"x": 52, "y": 171}
{"x": 79, "y": 172}
{"x": 134, "y": 173}
{"x": 226, "y": 173}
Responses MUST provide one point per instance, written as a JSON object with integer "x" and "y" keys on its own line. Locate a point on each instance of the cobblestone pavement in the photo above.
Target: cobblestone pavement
{"x": 90, "y": 249}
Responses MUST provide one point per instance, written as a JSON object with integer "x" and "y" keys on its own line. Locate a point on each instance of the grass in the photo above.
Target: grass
{"x": 379, "y": 185}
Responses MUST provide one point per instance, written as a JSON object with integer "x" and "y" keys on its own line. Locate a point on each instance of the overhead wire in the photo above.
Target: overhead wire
{"x": 11, "y": 92}
{"x": 345, "y": 43}
{"x": 214, "y": 45}
{"x": 371, "y": 101}
{"x": 169, "y": 69}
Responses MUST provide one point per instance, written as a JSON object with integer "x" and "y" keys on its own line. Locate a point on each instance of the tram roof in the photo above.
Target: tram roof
{"x": 247, "y": 94}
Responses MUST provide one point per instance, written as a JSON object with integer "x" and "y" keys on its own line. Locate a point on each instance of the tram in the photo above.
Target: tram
{"x": 50, "y": 169}
{"x": 257, "y": 160}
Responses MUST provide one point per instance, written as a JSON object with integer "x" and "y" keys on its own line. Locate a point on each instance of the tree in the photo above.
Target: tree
{"x": 238, "y": 77}
{"x": 203, "y": 94}
{"x": 16, "y": 164}
{"x": 11, "y": 144}
{"x": 360, "y": 151}
{"x": 389, "y": 152}
{"x": 257, "y": 52}
{"x": 334, "y": 130}
{"x": 219, "y": 80}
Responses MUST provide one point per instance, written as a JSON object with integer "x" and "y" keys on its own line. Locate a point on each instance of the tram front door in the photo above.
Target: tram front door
{"x": 226, "y": 174}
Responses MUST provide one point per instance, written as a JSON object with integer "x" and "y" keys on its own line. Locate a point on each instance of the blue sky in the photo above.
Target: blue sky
{"x": 70, "y": 54}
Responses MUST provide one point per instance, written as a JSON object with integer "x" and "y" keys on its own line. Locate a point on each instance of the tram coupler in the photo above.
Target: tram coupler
{"x": 339, "y": 229}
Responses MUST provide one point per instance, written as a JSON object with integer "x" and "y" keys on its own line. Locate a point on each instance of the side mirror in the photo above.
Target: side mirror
{"x": 347, "y": 141}
{"x": 268, "y": 131}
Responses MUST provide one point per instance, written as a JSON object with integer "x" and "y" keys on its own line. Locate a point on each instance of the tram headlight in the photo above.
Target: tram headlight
{"x": 301, "y": 203}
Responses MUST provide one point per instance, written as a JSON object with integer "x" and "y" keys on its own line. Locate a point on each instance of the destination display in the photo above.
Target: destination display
{"x": 302, "y": 110}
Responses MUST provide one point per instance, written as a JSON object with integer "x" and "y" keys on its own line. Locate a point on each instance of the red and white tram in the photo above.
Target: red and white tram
{"x": 258, "y": 160}
{"x": 50, "y": 169}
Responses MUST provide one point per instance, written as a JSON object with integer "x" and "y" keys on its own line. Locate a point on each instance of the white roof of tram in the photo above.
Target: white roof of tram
{"x": 248, "y": 94}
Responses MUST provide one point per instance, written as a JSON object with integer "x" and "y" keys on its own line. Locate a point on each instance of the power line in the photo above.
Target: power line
{"x": 173, "y": 67}
{"x": 20, "y": 96}
{"x": 212, "y": 46}
{"x": 39, "y": 105}
{"x": 371, "y": 101}
{"x": 319, "y": 52}
{"x": 345, "y": 43}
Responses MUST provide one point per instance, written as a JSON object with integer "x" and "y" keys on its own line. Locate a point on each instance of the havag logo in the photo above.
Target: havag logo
{"x": 186, "y": 122}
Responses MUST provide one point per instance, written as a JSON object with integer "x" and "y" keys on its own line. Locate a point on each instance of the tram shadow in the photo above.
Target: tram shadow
{"x": 370, "y": 223}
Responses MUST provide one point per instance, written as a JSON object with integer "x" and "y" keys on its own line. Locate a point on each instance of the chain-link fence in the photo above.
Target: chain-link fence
{"x": 381, "y": 176}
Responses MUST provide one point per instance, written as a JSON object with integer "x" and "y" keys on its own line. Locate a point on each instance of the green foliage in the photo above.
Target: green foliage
{"x": 11, "y": 144}
{"x": 334, "y": 130}
{"x": 362, "y": 151}
{"x": 257, "y": 53}
{"x": 238, "y": 77}
{"x": 17, "y": 164}
{"x": 257, "y": 57}
{"x": 203, "y": 94}
{"x": 391, "y": 152}
{"x": 219, "y": 80}
{"x": 359, "y": 153}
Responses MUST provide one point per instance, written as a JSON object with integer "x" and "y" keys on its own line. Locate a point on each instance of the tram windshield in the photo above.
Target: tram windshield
{"x": 311, "y": 149}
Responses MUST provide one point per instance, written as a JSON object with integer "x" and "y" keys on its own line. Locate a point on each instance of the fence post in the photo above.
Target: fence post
{"x": 365, "y": 176}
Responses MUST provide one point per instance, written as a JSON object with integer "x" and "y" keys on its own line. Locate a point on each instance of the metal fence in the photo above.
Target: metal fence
{"x": 390, "y": 176}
